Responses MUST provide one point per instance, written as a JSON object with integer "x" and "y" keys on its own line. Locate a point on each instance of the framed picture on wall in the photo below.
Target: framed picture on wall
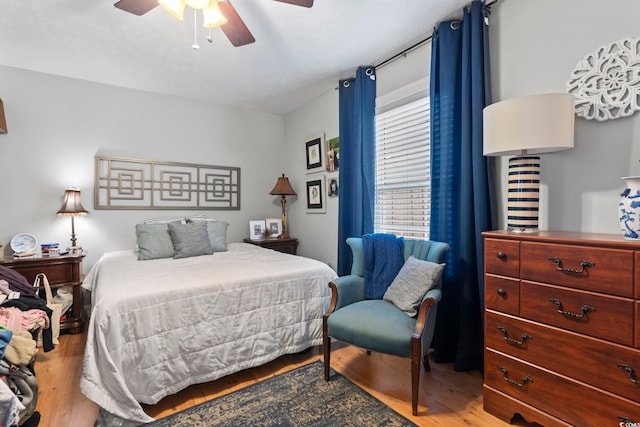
{"x": 333, "y": 154}
{"x": 316, "y": 195}
{"x": 315, "y": 154}
{"x": 332, "y": 186}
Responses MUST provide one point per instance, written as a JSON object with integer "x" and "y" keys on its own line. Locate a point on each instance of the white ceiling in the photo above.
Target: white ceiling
{"x": 299, "y": 53}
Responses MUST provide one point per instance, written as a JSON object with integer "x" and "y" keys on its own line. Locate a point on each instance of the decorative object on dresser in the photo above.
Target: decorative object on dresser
{"x": 287, "y": 246}
{"x": 283, "y": 189}
{"x": 63, "y": 270}
{"x": 523, "y": 127}
{"x": 605, "y": 82}
{"x": 562, "y": 320}
{"x": 3, "y": 121}
{"x": 629, "y": 208}
{"x": 71, "y": 206}
{"x": 24, "y": 244}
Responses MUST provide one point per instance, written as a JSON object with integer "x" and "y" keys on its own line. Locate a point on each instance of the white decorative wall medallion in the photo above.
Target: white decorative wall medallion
{"x": 606, "y": 83}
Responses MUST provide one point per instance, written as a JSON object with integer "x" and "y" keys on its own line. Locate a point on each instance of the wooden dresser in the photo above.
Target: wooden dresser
{"x": 562, "y": 328}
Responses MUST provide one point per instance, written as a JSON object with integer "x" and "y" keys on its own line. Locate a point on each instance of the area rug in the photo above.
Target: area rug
{"x": 300, "y": 397}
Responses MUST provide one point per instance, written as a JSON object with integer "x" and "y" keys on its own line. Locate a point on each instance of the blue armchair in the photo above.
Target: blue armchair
{"x": 377, "y": 324}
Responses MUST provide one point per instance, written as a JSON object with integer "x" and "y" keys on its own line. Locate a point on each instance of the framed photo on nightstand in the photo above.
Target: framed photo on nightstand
{"x": 274, "y": 226}
{"x": 256, "y": 229}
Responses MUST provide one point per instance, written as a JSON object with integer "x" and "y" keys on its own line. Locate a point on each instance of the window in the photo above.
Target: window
{"x": 402, "y": 186}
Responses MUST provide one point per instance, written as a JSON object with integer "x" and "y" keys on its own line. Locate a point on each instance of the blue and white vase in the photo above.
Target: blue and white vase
{"x": 629, "y": 208}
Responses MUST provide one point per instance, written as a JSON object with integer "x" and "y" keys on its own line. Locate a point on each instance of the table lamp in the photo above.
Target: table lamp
{"x": 71, "y": 206}
{"x": 283, "y": 189}
{"x": 524, "y": 127}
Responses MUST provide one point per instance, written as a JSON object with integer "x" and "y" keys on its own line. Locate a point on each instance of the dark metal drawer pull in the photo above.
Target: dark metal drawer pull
{"x": 583, "y": 265}
{"x": 501, "y": 255}
{"x": 505, "y": 376}
{"x": 629, "y": 370}
{"x": 585, "y": 309}
{"x": 505, "y": 335}
{"x": 501, "y": 292}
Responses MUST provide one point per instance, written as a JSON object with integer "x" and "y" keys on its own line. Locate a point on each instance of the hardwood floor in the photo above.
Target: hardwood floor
{"x": 447, "y": 398}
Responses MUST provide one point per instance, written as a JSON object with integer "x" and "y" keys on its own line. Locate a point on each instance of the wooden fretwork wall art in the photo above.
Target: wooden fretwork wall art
{"x": 123, "y": 183}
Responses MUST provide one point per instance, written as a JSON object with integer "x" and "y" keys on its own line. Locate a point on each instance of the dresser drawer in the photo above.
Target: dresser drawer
{"x": 60, "y": 273}
{"x": 502, "y": 257}
{"x": 637, "y": 275}
{"x": 557, "y": 394}
{"x": 611, "y": 317}
{"x": 502, "y": 294}
{"x": 637, "y": 333}
{"x": 609, "y": 270}
{"x": 586, "y": 359}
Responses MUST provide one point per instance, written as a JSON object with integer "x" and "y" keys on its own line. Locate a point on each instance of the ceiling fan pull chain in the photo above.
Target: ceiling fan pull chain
{"x": 195, "y": 45}
{"x": 210, "y": 38}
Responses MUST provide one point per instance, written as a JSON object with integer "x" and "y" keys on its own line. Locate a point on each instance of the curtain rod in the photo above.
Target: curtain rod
{"x": 418, "y": 44}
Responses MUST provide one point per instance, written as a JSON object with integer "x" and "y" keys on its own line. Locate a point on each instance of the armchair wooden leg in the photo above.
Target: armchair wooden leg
{"x": 415, "y": 384}
{"x": 425, "y": 363}
{"x": 326, "y": 348}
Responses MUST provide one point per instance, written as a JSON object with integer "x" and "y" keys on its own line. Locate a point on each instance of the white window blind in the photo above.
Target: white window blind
{"x": 402, "y": 185}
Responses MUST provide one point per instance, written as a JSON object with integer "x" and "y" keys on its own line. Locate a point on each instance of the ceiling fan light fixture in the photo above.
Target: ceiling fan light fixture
{"x": 197, "y": 4}
{"x": 212, "y": 15}
{"x": 174, "y": 7}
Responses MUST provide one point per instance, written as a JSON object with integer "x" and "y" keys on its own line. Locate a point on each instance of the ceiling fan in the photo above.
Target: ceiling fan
{"x": 234, "y": 28}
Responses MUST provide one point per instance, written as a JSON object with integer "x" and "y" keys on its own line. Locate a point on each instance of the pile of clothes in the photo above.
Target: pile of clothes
{"x": 24, "y": 316}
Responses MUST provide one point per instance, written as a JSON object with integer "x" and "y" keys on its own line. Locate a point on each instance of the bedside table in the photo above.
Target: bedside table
{"x": 287, "y": 246}
{"x": 64, "y": 270}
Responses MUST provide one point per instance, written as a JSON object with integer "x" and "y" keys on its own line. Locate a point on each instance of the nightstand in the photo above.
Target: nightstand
{"x": 64, "y": 270}
{"x": 288, "y": 246}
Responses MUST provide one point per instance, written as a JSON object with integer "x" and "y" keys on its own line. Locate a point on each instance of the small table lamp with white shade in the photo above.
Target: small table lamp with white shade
{"x": 523, "y": 127}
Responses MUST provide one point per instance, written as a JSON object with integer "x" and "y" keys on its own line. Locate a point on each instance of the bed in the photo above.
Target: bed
{"x": 158, "y": 326}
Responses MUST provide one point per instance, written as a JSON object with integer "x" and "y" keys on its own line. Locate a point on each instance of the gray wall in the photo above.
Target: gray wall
{"x": 534, "y": 46}
{"x": 57, "y": 126}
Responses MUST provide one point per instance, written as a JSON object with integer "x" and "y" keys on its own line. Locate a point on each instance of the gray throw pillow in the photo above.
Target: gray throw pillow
{"x": 217, "y": 233}
{"x": 413, "y": 280}
{"x": 153, "y": 241}
{"x": 190, "y": 239}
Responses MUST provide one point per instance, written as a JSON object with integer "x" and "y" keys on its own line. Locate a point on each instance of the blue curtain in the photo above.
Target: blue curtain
{"x": 460, "y": 203}
{"x": 357, "y": 161}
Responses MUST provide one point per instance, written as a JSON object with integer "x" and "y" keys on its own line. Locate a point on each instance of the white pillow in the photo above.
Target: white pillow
{"x": 413, "y": 280}
{"x": 166, "y": 220}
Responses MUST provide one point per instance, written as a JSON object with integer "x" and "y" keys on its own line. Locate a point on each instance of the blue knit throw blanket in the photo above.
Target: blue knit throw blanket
{"x": 383, "y": 258}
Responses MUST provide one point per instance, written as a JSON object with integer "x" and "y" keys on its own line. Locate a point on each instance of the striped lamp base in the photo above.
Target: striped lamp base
{"x": 523, "y": 194}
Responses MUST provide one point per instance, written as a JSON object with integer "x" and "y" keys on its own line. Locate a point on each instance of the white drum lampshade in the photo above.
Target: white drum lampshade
{"x": 523, "y": 127}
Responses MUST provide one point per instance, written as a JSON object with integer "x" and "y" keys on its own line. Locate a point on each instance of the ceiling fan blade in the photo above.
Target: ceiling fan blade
{"x": 137, "y": 7}
{"x": 303, "y": 3}
{"x": 235, "y": 29}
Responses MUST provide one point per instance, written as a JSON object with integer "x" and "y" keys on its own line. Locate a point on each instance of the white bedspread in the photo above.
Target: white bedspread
{"x": 159, "y": 326}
